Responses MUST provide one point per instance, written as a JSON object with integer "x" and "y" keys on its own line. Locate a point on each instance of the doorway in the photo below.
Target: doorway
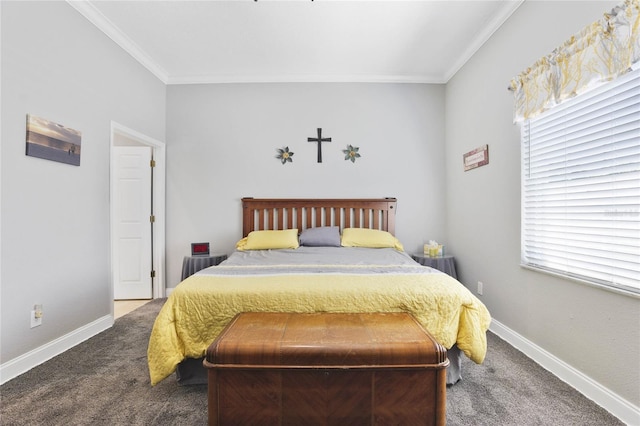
{"x": 137, "y": 203}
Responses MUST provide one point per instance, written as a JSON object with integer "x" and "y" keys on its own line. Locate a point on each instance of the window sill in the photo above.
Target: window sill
{"x": 611, "y": 289}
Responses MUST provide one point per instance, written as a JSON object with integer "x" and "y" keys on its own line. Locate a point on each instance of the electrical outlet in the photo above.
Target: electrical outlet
{"x": 36, "y": 316}
{"x": 480, "y": 287}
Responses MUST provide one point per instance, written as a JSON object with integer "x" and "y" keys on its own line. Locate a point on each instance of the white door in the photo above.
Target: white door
{"x": 132, "y": 234}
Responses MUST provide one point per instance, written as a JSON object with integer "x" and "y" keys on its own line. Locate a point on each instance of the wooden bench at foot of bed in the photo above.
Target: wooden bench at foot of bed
{"x": 326, "y": 368}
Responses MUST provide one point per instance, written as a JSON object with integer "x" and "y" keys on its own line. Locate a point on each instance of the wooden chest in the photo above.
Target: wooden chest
{"x": 326, "y": 369}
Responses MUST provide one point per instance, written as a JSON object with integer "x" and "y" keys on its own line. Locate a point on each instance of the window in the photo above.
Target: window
{"x": 581, "y": 186}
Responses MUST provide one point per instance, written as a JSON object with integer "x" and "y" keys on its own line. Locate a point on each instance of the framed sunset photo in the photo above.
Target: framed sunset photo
{"x": 52, "y": 141}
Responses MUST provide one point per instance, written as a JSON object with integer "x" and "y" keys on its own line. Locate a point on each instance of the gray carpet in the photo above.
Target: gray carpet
{"x": 105, "y": 381}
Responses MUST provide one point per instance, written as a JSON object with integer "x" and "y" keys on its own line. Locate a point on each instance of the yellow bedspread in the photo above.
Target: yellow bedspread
{"x": 201, "y": 306}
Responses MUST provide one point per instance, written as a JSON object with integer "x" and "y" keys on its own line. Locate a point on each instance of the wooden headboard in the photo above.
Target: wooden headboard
{"x": 303, "y": 213}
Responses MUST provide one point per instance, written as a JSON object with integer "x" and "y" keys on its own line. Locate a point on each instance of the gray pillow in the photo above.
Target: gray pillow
{"x": 324, "y": 236}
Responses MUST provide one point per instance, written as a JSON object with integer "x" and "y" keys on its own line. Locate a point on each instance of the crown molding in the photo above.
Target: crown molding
{"x": 93, "y": 15}
{"x": 484, "y": 36}
{"x": 304, "y": 78}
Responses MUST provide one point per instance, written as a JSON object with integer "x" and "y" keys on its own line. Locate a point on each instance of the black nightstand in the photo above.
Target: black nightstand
{"x": 192, "y": 264}
{"x": 445, "y": 264}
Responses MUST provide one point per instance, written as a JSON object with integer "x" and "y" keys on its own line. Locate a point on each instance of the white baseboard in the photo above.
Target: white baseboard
{"x": 37, "y": 356}
{"x": 619, "y": 407}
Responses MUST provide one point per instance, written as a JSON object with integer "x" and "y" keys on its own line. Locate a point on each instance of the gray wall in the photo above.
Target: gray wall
{"x": 55, "y": 217}
{"x": 595, "y": 331}
{"x": 223, "y": 141}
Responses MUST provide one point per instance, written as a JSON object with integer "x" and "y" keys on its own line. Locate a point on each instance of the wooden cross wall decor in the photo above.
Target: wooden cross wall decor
{"x": 319, "y": 140}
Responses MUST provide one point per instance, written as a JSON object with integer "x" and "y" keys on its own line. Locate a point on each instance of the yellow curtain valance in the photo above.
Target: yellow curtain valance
{"x": 599, "y": 53}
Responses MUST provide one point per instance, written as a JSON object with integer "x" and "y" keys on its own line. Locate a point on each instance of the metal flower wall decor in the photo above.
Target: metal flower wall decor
{"x": 284, "y": 155}
{"x": 351, "y": 153}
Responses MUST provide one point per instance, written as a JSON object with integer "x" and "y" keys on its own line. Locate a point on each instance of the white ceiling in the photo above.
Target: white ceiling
{"x": 184, "y": 42}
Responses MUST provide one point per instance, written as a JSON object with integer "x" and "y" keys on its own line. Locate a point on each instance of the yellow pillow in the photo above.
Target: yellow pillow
{"x": 362, "y": 237}
{"x": 264, "y": 240}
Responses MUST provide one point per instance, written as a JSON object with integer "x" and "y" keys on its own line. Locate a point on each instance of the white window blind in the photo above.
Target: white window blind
{"x": 581, "y": 186}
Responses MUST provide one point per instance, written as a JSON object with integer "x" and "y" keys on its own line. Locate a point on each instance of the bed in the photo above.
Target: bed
{"x": 313, "y": 255}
